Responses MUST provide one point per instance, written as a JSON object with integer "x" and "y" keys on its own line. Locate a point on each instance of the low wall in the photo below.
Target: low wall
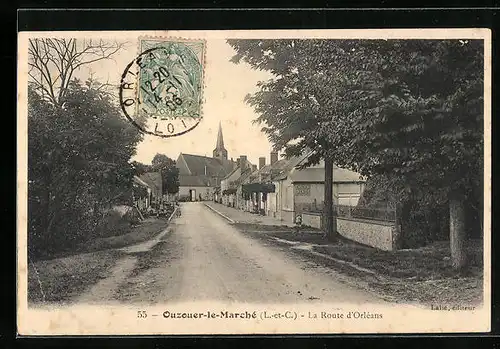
{"x": 372, "y": 233}
{"x": 381, "y": 235}
{"x": 311, "y": 219}
{"x": 287, "y": 216}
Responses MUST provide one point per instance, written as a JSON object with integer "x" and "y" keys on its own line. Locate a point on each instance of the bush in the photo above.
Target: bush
{"x": 132, "y": 216}
{"x": 112, "y": 224}
{"x": 184, "y": 198}
{"x": 78, "y": 166}
{"x": 424, "y": 218}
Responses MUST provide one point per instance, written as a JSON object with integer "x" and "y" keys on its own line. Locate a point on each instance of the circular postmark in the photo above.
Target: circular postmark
{"x": 161, "y": 89}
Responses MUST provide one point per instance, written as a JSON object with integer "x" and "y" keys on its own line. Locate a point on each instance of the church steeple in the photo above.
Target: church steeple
{"x": 220, "y": 152}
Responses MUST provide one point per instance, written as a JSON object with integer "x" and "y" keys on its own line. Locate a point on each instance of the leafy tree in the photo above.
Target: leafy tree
{"x": 410, "y": 110}
{"x": 79, "y": 145}
{"x": 78, "y": 164}
{"x": 169, "y": 173}
{"x": 140, "y": 168}
{"x": 53, "y": 63}
{"x": 414, "y": 108}
{"x": 295, "y": 104}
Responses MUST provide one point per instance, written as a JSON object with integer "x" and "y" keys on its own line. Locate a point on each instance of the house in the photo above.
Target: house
{"x": 247, "y": 187}
{"x": 200, "y": 176}
{"x": 243, "y": 198}
{"x": 258, "y": 185}
{"x": 297, "y": 190}
{"x": 308, "y": 187}
{"x": 141, "y": 194}
{"x": 155, "y": 183}
{"x": 230, "y": 183}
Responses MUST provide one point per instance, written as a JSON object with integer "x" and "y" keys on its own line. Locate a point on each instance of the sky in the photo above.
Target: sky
{"x": 226, "y": 85}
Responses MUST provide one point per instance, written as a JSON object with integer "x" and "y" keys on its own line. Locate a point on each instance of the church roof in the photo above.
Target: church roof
{"x": 215, "y": 167}
{"x": 220, "y": 139}
{"x": 195, "y": 181}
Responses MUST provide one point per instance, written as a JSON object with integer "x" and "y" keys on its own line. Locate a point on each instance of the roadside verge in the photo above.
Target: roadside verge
{"x": 64, "y": 278}
{"x": 418, "y": 276}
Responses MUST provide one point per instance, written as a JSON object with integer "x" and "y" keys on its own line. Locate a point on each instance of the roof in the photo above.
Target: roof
{"x": 259, "y": 187}
{"x": 243, "y": 177}
{"x": 153, "y": 179}
{"x": 277, "y": 170}
{"x": 140, "y": 181}
{"x": 288, "y": 168}
{"x": 220, "y": 140}
{"x": 249, "y": 166}
{"x": 289, "y": 164}
{"x": 196, "y": 181}
{"x": 317, "y": 174}
{"x": 231, "y": 173}
{"x": 214, "y": 167}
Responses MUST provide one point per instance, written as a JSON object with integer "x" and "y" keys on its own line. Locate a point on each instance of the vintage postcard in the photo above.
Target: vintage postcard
{"x": 254, "y": 182}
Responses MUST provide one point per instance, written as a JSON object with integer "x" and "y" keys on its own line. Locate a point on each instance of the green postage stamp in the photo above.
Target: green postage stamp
{"x": 161, "y": 89}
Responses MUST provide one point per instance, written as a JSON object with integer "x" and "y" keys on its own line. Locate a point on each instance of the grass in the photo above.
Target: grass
{"x": 259, "y": 228}
{"x": 304, "y": 234}
{"x": 144, "y": 231}
{"x": 68, "y": 274}
{"x": 143, "y": 286}
{"x": 422, "y": 275}
{"x": 431, "y": 262}
{"x": 62, "y": 279}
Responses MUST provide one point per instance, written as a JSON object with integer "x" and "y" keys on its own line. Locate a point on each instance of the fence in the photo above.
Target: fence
{"x": 376, "y": 214}
{"x": 344, "y": 211}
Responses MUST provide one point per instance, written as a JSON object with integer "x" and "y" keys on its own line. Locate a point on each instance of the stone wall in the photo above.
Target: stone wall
{"x": 380, "y": 235}
{"x": 376, "y": 234}
{"x": 311, "y": 219}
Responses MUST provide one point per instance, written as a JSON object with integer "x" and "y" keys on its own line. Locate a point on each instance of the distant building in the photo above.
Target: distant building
{"x": 155, "y": 183}
{"x": 142, "y": 200}
{"x": 200, "y": 176}
{"x": 232, "y": 182}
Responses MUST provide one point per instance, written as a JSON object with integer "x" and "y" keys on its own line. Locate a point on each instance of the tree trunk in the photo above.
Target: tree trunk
{"x": 330, "y": 216}
{"x": 457, "y": 233}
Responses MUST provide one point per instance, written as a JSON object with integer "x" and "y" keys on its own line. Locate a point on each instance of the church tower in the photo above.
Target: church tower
{"x": 220, "y": 152}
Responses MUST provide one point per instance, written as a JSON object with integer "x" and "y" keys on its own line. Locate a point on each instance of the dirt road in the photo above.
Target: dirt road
{"x": 203, "y": 257}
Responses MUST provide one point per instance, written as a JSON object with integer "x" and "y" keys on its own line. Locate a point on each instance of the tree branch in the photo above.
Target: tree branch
{"x": 57, "y": 59}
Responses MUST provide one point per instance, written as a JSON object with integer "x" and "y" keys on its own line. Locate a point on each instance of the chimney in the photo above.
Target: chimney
{"x": 274, "y": 157}
{"x": 254, "y": 168}
{"x": 243, "y": 162}
{"x": 238, "y": 162}
{"x": 262, "y": 162}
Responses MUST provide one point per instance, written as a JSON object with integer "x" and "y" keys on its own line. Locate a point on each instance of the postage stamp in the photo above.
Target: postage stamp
{"x": 254, "y": 182}
{"x": 161, "y": 89}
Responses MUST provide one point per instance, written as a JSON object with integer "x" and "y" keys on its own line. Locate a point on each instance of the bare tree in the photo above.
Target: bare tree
{"x": 53, "y": 62}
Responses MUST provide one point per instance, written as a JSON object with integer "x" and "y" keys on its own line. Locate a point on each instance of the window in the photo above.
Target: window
{"x": 302, "y": 189}
{"x": 348, "y": 199}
